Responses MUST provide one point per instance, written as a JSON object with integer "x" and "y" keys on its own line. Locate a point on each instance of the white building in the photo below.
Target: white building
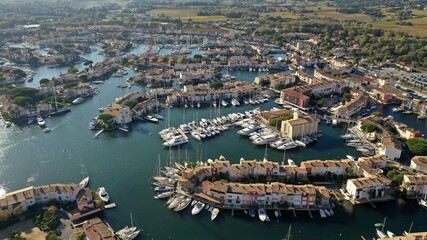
{"x": 367, "y": 188}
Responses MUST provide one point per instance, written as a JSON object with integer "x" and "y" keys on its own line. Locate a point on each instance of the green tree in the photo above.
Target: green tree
{"x": 23, "y": 101}
{"x": 418, "y": 146}
{"x": 369, "y": 127}
{"x": 72, "y": 70}
{"x": 131, "y": 103}
{"x": 4, "y": 215}
{"x": 44, "y": 81}
{"x": 105, "y": 117}
{"x": 376, "y": 114}
{"x": 15, "y": 235}
{"x": 216, "y": 85}
{"x": 81, "y": 236}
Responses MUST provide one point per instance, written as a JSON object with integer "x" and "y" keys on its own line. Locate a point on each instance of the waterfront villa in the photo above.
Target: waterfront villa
{"x": 27, "y": 197}
{"x": 238, "y": 195}
{"x": 95, "y": 229}
{"x": 354, "y": 106}
{"x": 414, "y": 186}
{"x": 121, "y": 113}
{"x": 419, "y": 163}
{"x": 367, "y": 189}
{"x": 299, "y": 126}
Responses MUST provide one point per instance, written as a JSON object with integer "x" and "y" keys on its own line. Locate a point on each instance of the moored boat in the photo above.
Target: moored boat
{"x": 262, "y": 214}
{"x": 84, "y": 182}
{"x": 103, "y": 194}
{"x": 214, "y": 213}
{"x": 197, "y": 208}
{"x": 41, "y": 122}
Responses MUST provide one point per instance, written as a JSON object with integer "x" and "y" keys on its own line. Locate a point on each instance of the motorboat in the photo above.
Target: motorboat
{"x": 184, "y": 127}
{"x": 93, "y": 124}
{"x": 224, "y": 103}
{"x": 175, "y": 141}
{"x": 214, "y": 213}
{"x": 264, "y": 139}
{"x": 84, "y": 182}
{"x": 262, "y": 214}
{"x": 300, "y": 143}
{"x": 235, "y": 103}
{"x": 350, "y": 157}
{"x": 198, "y": 207}
{"x": 103, "y": 194}
{"x": 196, "y": 135}
{"x": 252, "y": 213}
{"x": 151, "y": 119}
{"x": 78, "y": 100}
{"x": 8, "y": 124}
{"x": 322, "y": 213}
{"x": 46, "y": 130}
{"x": 111, "y": 205}
{"x": 291, "y": 162}
{"x": 41, "y": 122}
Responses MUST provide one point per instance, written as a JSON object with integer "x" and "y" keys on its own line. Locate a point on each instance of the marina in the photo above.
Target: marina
{"x": 42, "y": 160}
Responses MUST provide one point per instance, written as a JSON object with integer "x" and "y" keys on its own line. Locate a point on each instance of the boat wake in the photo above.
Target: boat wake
{"x": 2, "y": 190}
{"x": 32, "y": 178}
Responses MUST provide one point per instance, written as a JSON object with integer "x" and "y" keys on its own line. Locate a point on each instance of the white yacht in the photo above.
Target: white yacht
{"x": 264, "y": 139}
{"x": 291, "y": 162}
{"x": 214, "y": 213}
{"x": 262, "y": 214}
{"x": 234, "y": 102}
{"x": 184, "y": 127}
{"x": 78, "y": 100}
{"x": 151, "y": 119}
{"x": 224, "y": 103}
{"x": 197, "y": 208}
{"x": 103, "y": 194}
{"x": 175, "y": 141}
{"x": 196, "y": 135}
{"x": 41, "y": 122}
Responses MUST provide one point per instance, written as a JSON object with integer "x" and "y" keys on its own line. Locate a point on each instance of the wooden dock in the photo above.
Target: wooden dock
{"x": 98, "y": 133}
{"x": 123, "y": 129}
{"x": 184, "y": 136}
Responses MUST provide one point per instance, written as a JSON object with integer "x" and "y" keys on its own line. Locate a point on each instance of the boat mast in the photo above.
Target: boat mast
{"x": 410, "y": 228}
{"x": 288, "y": 235}
{"x": 382, "y": 229}
{"x": 284, "y": 157}
{"x": 265, "y": 152}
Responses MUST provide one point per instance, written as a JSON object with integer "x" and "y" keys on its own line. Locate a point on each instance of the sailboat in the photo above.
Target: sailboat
{"x": 423, "y": 202}
{"x": 58, "y": 111}
{"x": 128, "y": 233}
{"x": 288, "y": 235}
{"x": 380, "y": 232}
{"x": 157, "y": 115}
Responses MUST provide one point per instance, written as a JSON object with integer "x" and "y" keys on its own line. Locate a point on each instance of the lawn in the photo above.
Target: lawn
{"x": 186, "y": 14}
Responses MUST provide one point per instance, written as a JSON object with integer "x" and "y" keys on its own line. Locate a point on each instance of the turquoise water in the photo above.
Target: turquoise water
{"x": 124, "y": 163}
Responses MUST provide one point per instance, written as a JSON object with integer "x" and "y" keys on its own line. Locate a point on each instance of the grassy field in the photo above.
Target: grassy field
{"x": 186, "y": 14}
{"x": 419, "y": 26}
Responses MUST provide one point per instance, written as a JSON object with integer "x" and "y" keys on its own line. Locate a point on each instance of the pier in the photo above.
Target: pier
{"x": 184, "y": 136}
{"x": 98, "y": 133}
{"x": 123, "y": 129}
